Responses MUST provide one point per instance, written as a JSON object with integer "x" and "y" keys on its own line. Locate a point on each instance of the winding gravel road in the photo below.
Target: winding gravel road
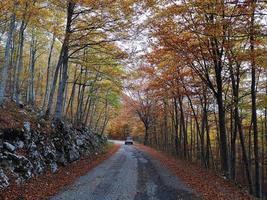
{"x": 130, "y": 174}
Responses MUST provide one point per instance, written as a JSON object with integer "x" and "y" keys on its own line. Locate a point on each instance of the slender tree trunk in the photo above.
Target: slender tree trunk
{"x": 183, "y": 128}
{"x": 165, "y": 127}
{"x": 89, "y": 115}
{"x": 146, "y": 135}
{"x": 222, "y": 130}
{"x": 176, "y": 126}
{"x": 208, "y": 145}
{"x": 234, "y": 111}
{"x": 12, "y": 66}
{"x": 106, "y": 115}
{"x": 65, "y": 98}
{"x": 88, "y": 110}
{"x": 265, "y": 146}
{"x": 235, "y": 80}
{"x": 65, "y": 56}
{"x": 200, "y": 133}
{"x": 15, "y": 68}
{"x": 242, "y": 142}
{"x": 20, "y": 62}
{"x": 4, "y": 72}
{"x": 32, "y": 70}
{"x": 78, "y": 98}
{"x": 262, "y": 157}
{"x": 47, "y": 86}
{"x": 86, "y": 107}
{"x": 71, "y": 99}
{"x": 253, "y": 100}
{"x": 89, "y": 100}
{"x": 53, "y": 86}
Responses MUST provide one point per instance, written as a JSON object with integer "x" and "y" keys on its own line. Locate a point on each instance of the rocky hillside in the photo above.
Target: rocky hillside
{"x": 30, "y": 145}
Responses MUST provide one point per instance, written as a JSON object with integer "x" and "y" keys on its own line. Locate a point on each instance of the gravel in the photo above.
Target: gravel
{"x": 128, "y": 175}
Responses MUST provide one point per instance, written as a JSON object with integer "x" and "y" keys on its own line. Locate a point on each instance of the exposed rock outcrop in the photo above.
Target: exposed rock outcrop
{"x": 29, "y": 152}
{"x": 3, "y": 180}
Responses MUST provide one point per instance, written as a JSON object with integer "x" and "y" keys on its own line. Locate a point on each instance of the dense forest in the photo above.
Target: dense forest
{"x": 194, "y": 86}
{"x": 200, "y": 89}
{"x": 60, "y": 57}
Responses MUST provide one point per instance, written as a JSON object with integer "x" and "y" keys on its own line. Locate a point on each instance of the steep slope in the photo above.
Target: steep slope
{"x": 30, "y": 145}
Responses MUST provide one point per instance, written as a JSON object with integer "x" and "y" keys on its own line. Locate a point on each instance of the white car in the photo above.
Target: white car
{"x": 129, "y": 141}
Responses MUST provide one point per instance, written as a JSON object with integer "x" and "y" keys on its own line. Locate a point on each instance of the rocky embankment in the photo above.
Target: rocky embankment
{"x": 29, "y": 152}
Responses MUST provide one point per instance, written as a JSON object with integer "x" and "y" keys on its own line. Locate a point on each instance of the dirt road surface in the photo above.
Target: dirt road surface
{"x": 130, "y": 174}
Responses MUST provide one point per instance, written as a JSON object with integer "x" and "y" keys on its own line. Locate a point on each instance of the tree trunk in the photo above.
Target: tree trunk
{"x": 183, "y": 128}
{"x": 176, "y": 126}
{"x": 222, "y": 128}
{"x": 4, "y": 72}
{"x": 253, "y": 101}
{"x": 20, "y": 62}
{"x": 47, "y": 86}
{"x": 165, "y": 126}
{"x": 146, "y": 135}
{"x": 53, "y": 87}
{"x": 72, "y": 95}
{"x": 33, "y": 50}
{"x": 65, "y": 57}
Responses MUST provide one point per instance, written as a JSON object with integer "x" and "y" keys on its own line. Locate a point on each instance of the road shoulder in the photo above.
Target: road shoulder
{"x": 206, "y": 183}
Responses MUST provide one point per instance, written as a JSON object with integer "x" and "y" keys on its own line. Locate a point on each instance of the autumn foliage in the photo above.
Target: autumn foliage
{"x": 195, "y": 86}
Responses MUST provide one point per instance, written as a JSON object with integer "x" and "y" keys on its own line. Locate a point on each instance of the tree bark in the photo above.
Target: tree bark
{"x": 20, "y": 62}
{"x": 47, "y": 86}
{"x": 253, "y": 100}
{"x": 31, "y": 96}
{"x": 4, "y": 72}
{"x": 65, "y": 57}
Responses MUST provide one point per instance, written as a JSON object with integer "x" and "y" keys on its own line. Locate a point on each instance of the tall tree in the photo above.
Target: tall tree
{"x": 4, "y": 71}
